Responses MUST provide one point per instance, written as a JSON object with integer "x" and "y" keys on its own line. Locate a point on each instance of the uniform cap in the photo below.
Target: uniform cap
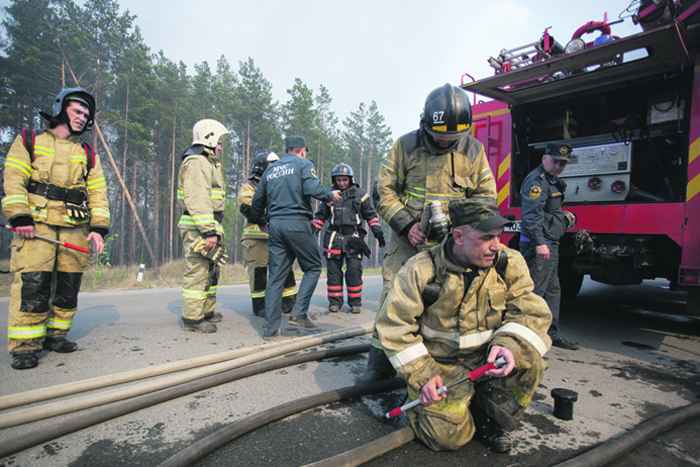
{"x": 480, "y": 213}
{"x": 559, "y": 152}
{"x": 295, "y": 142}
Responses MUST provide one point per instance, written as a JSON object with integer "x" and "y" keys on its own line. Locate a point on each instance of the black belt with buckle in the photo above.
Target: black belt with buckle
{"x": 58, "y": 193}
{"x": 344, "y": 229}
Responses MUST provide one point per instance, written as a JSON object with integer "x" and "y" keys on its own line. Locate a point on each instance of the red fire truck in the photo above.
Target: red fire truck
{"x": 630, "y": 109}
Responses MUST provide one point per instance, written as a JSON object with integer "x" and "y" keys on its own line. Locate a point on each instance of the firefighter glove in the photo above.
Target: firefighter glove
{"x": 217, "y": 254}
{"x": 357, "y": 244}
{"x": 77, "y": 212}
{"x": 380, "y": 238}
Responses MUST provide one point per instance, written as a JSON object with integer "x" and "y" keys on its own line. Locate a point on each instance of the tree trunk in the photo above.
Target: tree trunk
{"x": 156, "y": 203}
{"x": 122, "y": 244}
{"x": 171, "y": 214}
{"x": 132, "y": 226}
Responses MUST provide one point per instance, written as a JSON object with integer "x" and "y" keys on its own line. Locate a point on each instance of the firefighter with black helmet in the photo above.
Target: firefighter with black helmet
{"x": 440, "y": 161}
{"x": 201, "y": 195}
{"x": 345, "y": 238}
{"x": 254, "y": 242}
{"x": 53, "y": 187}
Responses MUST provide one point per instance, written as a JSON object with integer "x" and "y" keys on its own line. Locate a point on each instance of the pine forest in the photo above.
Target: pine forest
{"x": 146, "y": 107}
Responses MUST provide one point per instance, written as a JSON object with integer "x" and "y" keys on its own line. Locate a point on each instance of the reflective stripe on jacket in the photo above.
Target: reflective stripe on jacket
{"x": 201, "y": 192}
{"x": 245, "y": 200}
{"x": 414, "y": 173}
{"x": 57, "y": 161}
{"x": 353, "y": 209}
{"x": 492, "y": 311}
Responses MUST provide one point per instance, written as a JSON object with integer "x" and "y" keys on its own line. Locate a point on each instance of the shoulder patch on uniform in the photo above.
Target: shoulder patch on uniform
{"x": 535, "y": 192}
{"x": 313, "y": 172}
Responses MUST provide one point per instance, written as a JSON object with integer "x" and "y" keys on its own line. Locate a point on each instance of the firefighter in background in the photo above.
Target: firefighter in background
{"x": 542, "y": 195}
{"x": 345, "y": 238}
{"x": 254, "y": 242}
{"x": 439, "y": 161}
{"x": 58, "y": 193}
{"x": 483, "y": 309}
{"x": 201, "y": 196}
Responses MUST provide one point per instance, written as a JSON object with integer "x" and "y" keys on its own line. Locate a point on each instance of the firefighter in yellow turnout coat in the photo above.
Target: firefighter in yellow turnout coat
{"x": 481, "y": 311}
{"x": 440, "y": 161}
{"x": 256, "y": 253}
{"x": 201, "y": 196}
{"x": 53, "y": 186}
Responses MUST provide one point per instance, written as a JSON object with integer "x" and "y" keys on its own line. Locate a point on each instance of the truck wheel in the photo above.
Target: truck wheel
{"x": 570, "y": 281}
{"x": 693, "y": 306}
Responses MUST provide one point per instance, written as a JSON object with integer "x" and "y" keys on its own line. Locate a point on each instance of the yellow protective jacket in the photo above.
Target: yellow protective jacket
{"x": 57, "y": 161}
{"x": 201, "y": 194}
{"x": 245, "y": 201}
{"x": 492, "y": 311}
{"x": 415, "y": 172}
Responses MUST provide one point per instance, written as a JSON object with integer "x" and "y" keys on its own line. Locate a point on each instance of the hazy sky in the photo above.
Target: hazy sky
{"x": 390, "y": 51}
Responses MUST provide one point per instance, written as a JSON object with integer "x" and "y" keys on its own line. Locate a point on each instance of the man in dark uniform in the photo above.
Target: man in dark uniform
{"x": 345, "y": 238}
{"x": 254, "y": 242}
{"x": 285, "y": 190}
{"x": 542, "y": 195}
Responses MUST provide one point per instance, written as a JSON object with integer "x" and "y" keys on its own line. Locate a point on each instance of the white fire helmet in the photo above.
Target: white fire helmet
{"x": 208, "y": 132}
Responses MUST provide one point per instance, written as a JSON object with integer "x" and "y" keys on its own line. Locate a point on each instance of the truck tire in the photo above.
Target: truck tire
{"x": 693, "y": 306}
{"x": 570, "y": 280}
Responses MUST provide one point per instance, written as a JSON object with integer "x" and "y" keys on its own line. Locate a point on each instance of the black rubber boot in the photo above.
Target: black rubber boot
{"x": 203, "y": 327}
{"x": 214, "y": 317}
{"x": 24, "y": 360}
{"x": 378, "y": 367}
{"x": 492, "y": 435}
{"x": 59, "y": 344}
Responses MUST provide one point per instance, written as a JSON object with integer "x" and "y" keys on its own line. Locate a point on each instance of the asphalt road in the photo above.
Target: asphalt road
{"x": 638, "y": 359}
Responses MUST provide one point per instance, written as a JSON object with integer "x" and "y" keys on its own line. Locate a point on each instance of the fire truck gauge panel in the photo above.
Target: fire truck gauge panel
{"x": 598, "y": 173}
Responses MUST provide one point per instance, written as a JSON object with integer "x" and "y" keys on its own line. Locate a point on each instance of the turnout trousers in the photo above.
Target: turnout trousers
{"x": 199, "y": 283}
{"x": 44, "y": 294}
{"x": 256, "y": 256}
{"x": 353, "y": 279}
{"x": 545, "y": 275}
{"x": 448, "y": 424}
{"x": 290, "y": 238}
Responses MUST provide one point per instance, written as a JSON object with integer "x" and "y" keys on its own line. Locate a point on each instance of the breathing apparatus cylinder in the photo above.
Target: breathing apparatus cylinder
{"x": 439, "y": 221}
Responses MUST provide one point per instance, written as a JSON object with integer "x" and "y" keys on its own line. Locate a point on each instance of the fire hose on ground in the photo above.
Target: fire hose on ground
{"x": 37, "y": 395}
{"x": 21, "y": 416}
{"x": 598, "y": 456}
{"x": 206, "y": 445}
{"x": 97, "y": 415}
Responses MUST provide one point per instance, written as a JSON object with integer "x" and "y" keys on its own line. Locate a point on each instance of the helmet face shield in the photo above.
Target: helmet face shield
{"x": 447, "y": 137}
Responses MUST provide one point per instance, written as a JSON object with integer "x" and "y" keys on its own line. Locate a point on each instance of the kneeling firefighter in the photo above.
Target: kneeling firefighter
{"x": 201, "y": 195}
{"x": 254, "y": 242}
{"x": 53, "y": 187}
{"x": 440, "y": 161}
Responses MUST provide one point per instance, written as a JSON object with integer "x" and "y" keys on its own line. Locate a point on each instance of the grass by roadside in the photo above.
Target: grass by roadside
{"x": 124, "y": 277}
